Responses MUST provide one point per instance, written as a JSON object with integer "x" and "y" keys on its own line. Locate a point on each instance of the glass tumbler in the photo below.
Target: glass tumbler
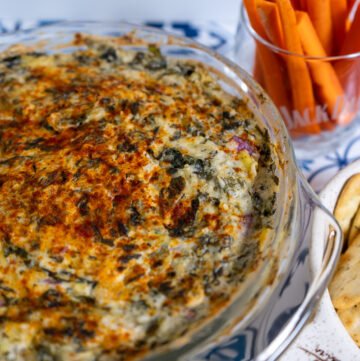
{"x": 317, "y": 126}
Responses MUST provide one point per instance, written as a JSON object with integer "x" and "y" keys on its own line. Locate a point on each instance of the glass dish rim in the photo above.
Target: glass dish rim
{"x": 248, "y": 27}
{"x": 281, "y": 137}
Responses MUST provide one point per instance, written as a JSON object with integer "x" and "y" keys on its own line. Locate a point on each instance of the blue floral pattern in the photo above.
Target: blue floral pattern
{"x": 210, "y": 33}
{"x": 235, "y": 349}
{"x": 320, "y": 170}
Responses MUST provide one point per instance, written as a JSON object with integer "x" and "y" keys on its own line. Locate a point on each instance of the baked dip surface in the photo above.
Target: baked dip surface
{"x": 134, "y": 197}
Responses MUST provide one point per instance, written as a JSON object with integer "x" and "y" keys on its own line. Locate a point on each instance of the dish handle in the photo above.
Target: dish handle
{"x": 325, "y": 246}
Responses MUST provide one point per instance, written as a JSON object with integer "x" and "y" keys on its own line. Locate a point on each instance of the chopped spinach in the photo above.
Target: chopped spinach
{"x": 99, "y": 238}
{"x": 186, "y": 69}
{"x": 109, "y": 55}
{"x": 169, "y": 194}
{"x": 134, "y": 107}
{"x": 126, "y": 146}
{"x": 54, "y": 177}
{"x": 177, "y": 185}
{"x": 126, "y": 258}
{"x": 229, "y": 122}
{"x": 174, "y": 157}
{"x": 122, "y": 229}
{"x": 153, "y": 60}
{"x": 43, "y": 353}
{"x": 183, "y": 226}
{"x": 165, "y": 287}
{"x": 9, "y": 249}
{"x": 34, "y": 143}
{"x": 12, "y": 61}
{"x": 135, "y": 216}
{"x": 156, "y": 64}
{"x": 51, "y": 298}
{"x": 82, "y": 205}
{"x": 203, "y": 169}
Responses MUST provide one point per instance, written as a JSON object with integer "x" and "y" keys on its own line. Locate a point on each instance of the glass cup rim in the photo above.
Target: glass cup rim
{"x": 245, "y": 20}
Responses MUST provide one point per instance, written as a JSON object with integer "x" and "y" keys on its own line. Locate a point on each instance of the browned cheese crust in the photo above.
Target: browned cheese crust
{"x": 133, "y": 192}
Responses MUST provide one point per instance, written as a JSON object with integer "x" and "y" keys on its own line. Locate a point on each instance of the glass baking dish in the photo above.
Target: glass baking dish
{"x": 276, "y": 298}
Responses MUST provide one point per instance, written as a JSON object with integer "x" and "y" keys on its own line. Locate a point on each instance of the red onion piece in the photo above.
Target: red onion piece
{"x": 243, "y": 145}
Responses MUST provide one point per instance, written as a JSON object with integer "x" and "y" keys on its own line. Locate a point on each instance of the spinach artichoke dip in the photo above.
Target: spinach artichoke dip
{"x": 134, "y": 197}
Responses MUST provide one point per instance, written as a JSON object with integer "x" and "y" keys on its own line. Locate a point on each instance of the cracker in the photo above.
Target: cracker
{"x": 348, "y": 203}
{"x": 345, "y": 286}
{"x": 355, "y": 226}
{"x": 350, "y": 317}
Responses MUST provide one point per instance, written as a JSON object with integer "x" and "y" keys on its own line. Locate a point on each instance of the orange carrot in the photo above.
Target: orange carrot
{"x": 350, "y": 5}
{"x": 348, "y": 70}
{"x": 326, "y": 82}
{"x": 320, "y": 15}
{"x": 295, "y": 4}
{"x": 328, "y": 125}
{"x": 302, "y": 91}
{"x": 274, "y": 77}
{"x": 257, "y": 70}
{"x": 303, "y": 5}
{"x": 352, "y": 38}
{"x": 338, "y": 15}
{"x": 275, "y": 80}
{"x": 270, "y": 19}
{"x": 250, "y": 6}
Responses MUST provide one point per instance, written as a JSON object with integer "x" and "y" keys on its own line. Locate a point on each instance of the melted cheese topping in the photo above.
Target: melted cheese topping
{"x": 130, "y": 201}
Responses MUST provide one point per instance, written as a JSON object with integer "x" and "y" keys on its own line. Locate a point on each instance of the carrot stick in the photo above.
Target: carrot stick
{"x": 257, "y": 70}
{"x": 348, "y": 70}
{"x": 350, "y": 5}
{"x": 274, "y": 77}
{"x": 270, "y": 19}
{"x": 303, "y": 5}
{"x": 338, "y": 16}
{"x": 328, "y": 125}
{"x": 295, "y": 4}
{"x": 320, "y": 15}
{"x": 349, "y": 75}
{"x": 250, "y": 6}
{"x": 352, "y": 38}
{"x": 275, "y": 80}
{"x": 302, "y": 91}
{"x": 326, "y": 82}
